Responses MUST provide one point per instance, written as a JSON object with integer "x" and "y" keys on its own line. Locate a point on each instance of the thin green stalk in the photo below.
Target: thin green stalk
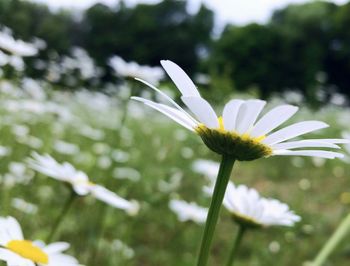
{"x": 62, "y": 215}
{"x": 236, "y": 244}
{"x": 214, "y": 209}
{"x": 333, "y": 242}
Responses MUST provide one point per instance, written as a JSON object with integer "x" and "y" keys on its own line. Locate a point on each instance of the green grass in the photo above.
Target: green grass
{"x": 159, "y": 150}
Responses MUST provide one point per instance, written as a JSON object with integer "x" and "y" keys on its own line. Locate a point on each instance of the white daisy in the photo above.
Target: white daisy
{"x": 207, "y": 168}
{"x": 250, "y": 209}
{"x": 79, "y": 181}
{"x": 133, "y": 69}
{"x": 188, "y": 211}
{"x": 16, "y": 251}
{"x": 238, "y": 132}
{"x": 16, "y": 47}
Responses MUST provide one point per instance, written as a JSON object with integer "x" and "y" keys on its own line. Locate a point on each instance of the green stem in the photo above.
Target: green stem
{"x": 236, "y": 244}
{"x": 214, "y": 209}
{"x": 62, "y": 215}
{"x": 332, "y": 243}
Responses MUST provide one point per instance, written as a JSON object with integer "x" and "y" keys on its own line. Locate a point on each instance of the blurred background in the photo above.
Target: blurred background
{"x": 296, "y": 45}
{"x": 66, "y": 76}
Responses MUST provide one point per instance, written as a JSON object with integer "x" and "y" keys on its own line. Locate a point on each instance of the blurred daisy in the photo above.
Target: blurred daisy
{"x": 188, "y": 211}
{"x": 16, "y": 251}
{"x": 24, "y": 206}
{"x": 207, "y": 168}
{"x": 249, "y": 209}
{"x": 346, "y": 158}
{"x": 79, "y": 181}
{"x": 238, "y": 132}
{"x": 133, "y": 69}
{"x": 16, "y": 47}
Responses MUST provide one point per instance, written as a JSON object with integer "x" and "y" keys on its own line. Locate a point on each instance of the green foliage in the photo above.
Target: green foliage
{"x": 29, "y": 20}
{"x": 298, "y": 44}
{"x": 241, "y": 52}
{"x": 160, "y": 151}
{"x": 302, "y": 47}
{"x": 140, "y": 33}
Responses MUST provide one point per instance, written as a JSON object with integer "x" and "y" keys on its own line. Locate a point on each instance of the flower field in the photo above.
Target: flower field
{"x": 90, "y": 175}
{"x": 141, "y": 155}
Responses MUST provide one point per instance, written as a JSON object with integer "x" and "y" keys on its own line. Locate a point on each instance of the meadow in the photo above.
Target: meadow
{"x": 141, "y": 155}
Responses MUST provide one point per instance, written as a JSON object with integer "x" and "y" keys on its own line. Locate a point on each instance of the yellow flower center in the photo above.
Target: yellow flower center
{"x": 221, "y": 124}
{"x": 243, "y": 147}
{"x": 27, "y": 250}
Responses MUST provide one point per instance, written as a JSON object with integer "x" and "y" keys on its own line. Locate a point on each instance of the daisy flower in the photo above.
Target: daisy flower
{"x": 79, "y": 181}
{"x": 16, "y": 251}
{"x": 249, "y": 209}
{"x": 238, "y": 132}
{"x": 133, "y": 69}
{"x": 188, "y": 211}
{"x": 16, "y": 47}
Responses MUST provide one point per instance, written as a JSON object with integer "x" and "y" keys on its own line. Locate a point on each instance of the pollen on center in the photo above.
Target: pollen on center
{"x": 221, "y": 123}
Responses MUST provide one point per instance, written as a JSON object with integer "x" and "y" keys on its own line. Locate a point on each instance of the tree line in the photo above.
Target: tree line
{"x": 303, "y": 47}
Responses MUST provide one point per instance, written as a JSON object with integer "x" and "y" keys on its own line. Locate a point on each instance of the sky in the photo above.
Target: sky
{"x": 238, "y": 12}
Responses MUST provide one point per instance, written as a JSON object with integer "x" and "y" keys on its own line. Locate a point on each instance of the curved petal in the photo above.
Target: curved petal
{"x": 273, "y": 119}
{"x": 172, "y": 113}
{"x": 9, "y": 256}
{"x": 247, "y": 115}
{"x": 111, "y": 198}
{"x": 304, "y": 144}
{"x": 202, "y": 110}
{"x": 57, "y": 247}
{"x": 81, "y": 189}
{"x": 180, "y": 78}
{"x": 294, "y": 130}
{"x": 62, "y": 259}
{"x": 230, "y": 113}
{"x": 313, "y": 153}
{"x": 15, "y": 230}
{"x": 166, "y": 97}
{"x": 334, "y": 141}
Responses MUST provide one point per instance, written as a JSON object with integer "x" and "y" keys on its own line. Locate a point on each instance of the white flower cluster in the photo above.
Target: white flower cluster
{"x": 134, "y": 70}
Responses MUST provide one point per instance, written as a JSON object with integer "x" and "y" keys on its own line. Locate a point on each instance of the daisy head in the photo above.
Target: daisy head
{"x": 249, "y": 209}
{"x": 188, "y": 211}
{"x": 240, "y": 132}
{"x": 15, "y": 250}
{"x": 80, "y": 182}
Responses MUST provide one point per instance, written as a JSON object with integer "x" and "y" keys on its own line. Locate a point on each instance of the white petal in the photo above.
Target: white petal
{"x": 166, "y": 97}
{"x": 273, "y": 119}
{"x": 180, "y": 78}
{"x": 111, "y": 198}
{"x": 334, "y": 141}
{"x": 294, "y": 130}
{"x": 8, "y": 255}
{"x": 15, "y": 230}
{"x": 230, "y": 113}
{"x": 313, "y": 153}
{"x": 172, "y": 113}
{"x": 178, "y": 114}
{"x": 57, "y": 247}
{"x": 81, "y": 189}
{"x": 304, "y": 144}
{"x": 247, "y": 115}
{"x": 202, "y": 110}
{"x": 62, "y": 259}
